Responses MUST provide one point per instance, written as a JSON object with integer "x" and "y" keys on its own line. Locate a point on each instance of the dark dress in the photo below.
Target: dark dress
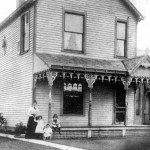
{"x": 30, "y": 132}
{"x": 31, "y": 125}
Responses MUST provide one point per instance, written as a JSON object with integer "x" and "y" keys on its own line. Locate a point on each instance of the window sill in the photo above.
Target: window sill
{"x": 73, "y": 115}
{"x": 121, "y": 57}
{"x": 73, "y": 51}
{"x": 22, "y": 53}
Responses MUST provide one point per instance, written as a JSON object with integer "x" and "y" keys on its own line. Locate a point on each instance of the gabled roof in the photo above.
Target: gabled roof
{"x": 134, "y": 9}
{"x": 132, "y": 64}
{"x": 16, "y": 13}
{"x": 81, "y": 63}
{"x": 29, "y": 3}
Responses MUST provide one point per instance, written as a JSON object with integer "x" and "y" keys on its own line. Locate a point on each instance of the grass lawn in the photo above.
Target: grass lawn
{"x": 127, "y": 143}
{"x": 9, "y": 144}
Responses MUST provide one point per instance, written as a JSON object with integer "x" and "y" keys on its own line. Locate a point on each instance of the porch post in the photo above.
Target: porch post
{"x": 90, "y": 110}
{"x": 50, "y": 77}
{"x": 126, "y": 87}
{"x": 35, "y": 77}
{"x": 90, "y": 80}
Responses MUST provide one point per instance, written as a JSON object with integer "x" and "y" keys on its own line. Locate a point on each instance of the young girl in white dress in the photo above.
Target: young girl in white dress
{"x": 47, "y": 132}
{"x": 40, "y": 127}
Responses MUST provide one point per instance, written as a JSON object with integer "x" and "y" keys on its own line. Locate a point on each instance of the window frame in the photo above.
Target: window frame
{"x": 21, "y": 39}
{"x": 126, "y": 22}
{"x": 84, "y": 14}
{"x": 62, "y": 103}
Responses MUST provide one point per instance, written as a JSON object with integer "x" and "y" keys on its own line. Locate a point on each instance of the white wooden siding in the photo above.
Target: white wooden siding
{"x": 16, "y": 75}
{"x": 42, "y": 97}
{"x": 102, "y": 106}
{"x": 131, "y": 107}
{"x": 100, "y": 26}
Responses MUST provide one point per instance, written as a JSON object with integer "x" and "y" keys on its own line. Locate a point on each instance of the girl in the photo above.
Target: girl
{"x": 39, "y": 127}
{"x": 31, "y": 125}
{"x": 56, "y": 123}
{"x": 47, "y": 132}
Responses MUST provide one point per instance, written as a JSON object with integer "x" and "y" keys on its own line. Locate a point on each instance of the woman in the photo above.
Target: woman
{"x": 31, "y": 125}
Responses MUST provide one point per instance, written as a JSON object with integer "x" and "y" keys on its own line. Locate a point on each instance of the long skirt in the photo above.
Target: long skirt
{"x": 30, "y": 132}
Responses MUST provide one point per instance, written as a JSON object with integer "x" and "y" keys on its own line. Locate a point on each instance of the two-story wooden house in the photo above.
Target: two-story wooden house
{"x": 77, "y": 58}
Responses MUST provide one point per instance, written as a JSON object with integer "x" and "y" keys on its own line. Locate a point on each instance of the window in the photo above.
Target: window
{"x": 73, "y": 32}
{"x": 24, "y": 33}
{"x": 73, "y": 98}
{"x": 121, "y": 41}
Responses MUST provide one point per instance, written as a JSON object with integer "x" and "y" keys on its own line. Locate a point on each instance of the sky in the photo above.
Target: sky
{"x": 143, "y": 32}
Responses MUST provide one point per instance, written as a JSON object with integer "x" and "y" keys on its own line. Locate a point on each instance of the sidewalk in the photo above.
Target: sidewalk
{"x": 45, "y": 143}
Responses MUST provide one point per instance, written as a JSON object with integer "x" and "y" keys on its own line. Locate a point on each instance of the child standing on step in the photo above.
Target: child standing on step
{"x": 39, "y": 127}
{"x": 56, "y": 123}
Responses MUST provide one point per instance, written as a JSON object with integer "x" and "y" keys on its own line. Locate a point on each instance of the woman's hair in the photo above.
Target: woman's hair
{"x": 35, "y": 101}
{"x": 55, "y": 116}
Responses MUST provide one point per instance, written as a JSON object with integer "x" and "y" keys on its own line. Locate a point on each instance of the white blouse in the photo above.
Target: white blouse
{"x": 33, "y": 110}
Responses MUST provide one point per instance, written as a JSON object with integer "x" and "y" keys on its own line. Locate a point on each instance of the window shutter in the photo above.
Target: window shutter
{"x": 18, "y": 38}
{"x": 27, "y": 39}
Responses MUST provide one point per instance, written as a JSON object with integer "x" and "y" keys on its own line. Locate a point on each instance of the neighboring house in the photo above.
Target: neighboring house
{"x": 78, "y": 60}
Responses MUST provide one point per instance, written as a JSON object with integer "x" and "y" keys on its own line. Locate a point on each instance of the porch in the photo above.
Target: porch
{"x": 109, "y": 105}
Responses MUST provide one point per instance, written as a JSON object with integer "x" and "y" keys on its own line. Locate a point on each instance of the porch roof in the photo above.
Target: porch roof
{"x": 54, "y": 61}
{"x": 133, "y": 63}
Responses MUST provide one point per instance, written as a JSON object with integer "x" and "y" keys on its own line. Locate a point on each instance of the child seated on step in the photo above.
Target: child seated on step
{"x": 56, "y": 123}
{"x": 47, "y": 133}
{"x": 39, "y": 127}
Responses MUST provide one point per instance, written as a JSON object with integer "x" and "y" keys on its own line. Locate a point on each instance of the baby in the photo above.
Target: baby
{"x": 47, "y": 132}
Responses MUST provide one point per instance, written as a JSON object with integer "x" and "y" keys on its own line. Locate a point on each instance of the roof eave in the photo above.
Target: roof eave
{"x": 16, "y": 13}
{"x": 135, "y": 10}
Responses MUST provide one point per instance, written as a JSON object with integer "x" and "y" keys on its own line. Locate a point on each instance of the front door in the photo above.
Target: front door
{"x": 120, "y": 109}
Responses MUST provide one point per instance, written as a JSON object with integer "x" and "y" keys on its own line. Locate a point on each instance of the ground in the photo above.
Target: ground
{"x": 9, "y": 144}
{"x": 126, "y": 143}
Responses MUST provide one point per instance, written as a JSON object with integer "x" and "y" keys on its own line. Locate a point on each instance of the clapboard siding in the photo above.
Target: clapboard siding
{"x": 100, "y": 26}
{"x": 16, "y": 74}
{"x": 41, "y": 95}
{"x": 131, "y": 107}
{"x": 102, "y": 106}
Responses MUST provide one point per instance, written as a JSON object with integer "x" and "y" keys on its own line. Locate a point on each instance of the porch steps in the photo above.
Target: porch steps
{"x": 98, "y": 132}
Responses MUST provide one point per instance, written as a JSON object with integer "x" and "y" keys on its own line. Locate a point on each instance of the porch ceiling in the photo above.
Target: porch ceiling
{"x": 81, "y": 63}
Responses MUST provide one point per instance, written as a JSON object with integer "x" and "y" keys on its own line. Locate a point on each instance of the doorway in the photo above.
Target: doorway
{"x": 120, "y": 107}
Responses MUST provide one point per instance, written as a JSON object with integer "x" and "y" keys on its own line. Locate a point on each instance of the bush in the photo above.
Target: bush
{"x": 3, "y": 120}
{"x": 20, "y": 128}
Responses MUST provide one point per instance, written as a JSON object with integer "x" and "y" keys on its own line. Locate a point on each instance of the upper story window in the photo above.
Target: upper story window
{"x": 24, "y": 33}
{"x": 74, "y": 32}
{"x": 121, "y": 39}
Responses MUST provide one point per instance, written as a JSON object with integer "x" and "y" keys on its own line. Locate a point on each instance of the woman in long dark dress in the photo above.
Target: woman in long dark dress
{"x": 31, "y": 125}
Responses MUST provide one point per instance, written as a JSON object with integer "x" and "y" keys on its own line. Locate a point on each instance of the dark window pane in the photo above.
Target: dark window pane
{"x": 73, "y": 23}
{"x": 73, "y": 41}
{"x": 120, "y": 48}
{"x": 121, "y": 31}
{"x": 120, "y": 117}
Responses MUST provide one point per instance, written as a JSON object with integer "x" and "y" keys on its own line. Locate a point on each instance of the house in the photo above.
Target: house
{"x": 78, "y": 60}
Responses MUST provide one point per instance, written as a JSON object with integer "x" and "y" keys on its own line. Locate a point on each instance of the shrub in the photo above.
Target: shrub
{"x": 3, "y": 120}
{"x": 20, "y": 128}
